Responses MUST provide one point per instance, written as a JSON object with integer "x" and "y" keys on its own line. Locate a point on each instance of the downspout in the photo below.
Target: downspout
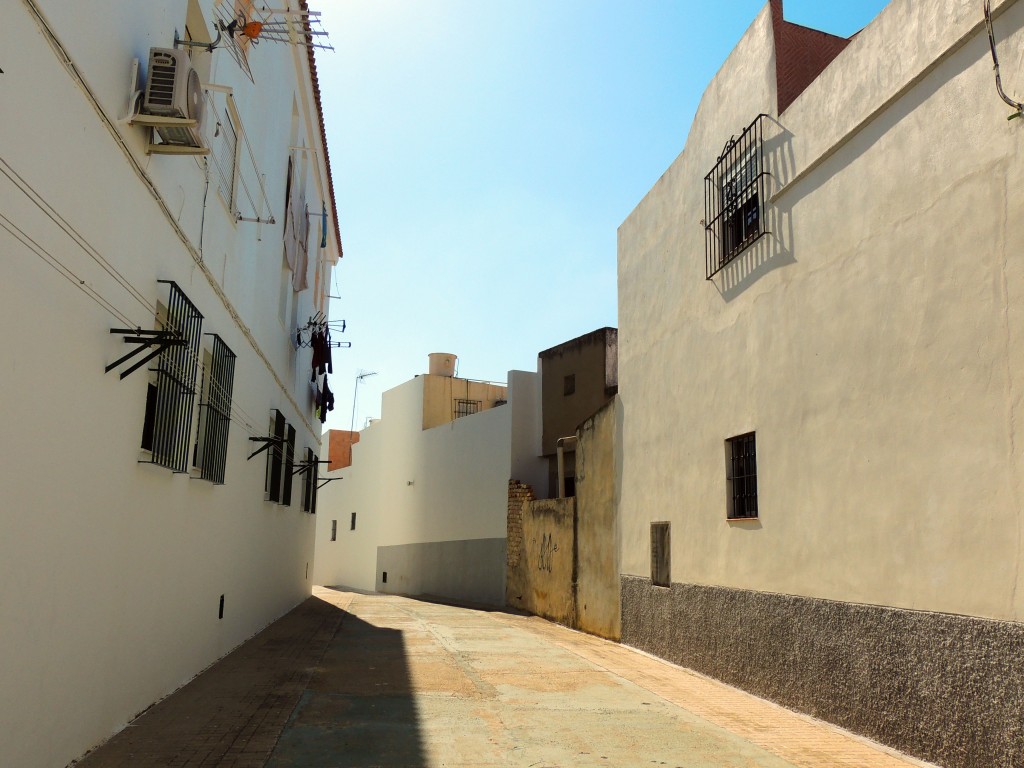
{"x": 559, "y": 449}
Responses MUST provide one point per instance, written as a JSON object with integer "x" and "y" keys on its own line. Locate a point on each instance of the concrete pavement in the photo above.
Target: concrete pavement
{"x": 350, "y": 680}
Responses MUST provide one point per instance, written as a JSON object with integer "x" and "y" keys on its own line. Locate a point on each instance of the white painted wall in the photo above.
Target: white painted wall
{"x": 459, "y": 475}
{"x": 111, "y": 570}
{"x": 872, "y": 341}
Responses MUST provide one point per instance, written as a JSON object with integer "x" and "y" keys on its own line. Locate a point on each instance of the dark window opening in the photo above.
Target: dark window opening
{"x": 384, "y": 577}
{"x": 734, "y": 198}
{"x": 289, "y": 465}
{"x": 569, "y": 384}
{"x": 220, "y": 612}
{"x": 466, "y": 407}
{"x": 310, "y": 481}
{"x": 353, "y": 527}
{"x": 334, "y": 530}
{"x": 570, "y": 486}
{"x": 275, "y": 457}
{"x": 147, "y": 425}
{"x": 661, "y": 553}
{"x": 742, "y": 477}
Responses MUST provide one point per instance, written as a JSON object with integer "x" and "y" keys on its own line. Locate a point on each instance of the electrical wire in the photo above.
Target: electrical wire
{"x": 1017, "y": 106}
{"x": 79, "y": 282}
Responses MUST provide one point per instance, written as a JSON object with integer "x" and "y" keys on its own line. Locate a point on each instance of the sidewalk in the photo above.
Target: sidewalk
{"x": 372, "y": 680}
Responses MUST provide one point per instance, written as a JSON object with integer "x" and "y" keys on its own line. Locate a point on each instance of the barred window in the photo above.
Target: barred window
{"x": 734, "y": 198}
{"x": 171, "y": 395}
{"x": 211, "y": 450}
{"x": 466, "y": 407}
{"x": 742, "y": 477}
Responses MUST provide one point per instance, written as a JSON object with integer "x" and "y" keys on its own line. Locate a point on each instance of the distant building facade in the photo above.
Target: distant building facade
{"x": 167, "y": 215}
{"x": 821, "y": 367}
{"x": 421, "y": 509}
{"x": 578, "y": 377}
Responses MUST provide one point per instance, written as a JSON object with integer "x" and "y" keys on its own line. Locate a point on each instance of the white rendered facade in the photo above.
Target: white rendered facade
{"x": 430, "y": 504}
{"x": 114, "y": 567}
{"x": 870, "y": 341}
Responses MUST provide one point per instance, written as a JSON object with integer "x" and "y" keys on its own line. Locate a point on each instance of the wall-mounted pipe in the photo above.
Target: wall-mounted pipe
{"x": 560, "y": 450}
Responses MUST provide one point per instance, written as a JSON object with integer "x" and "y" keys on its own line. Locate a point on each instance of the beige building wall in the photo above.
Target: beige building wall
{"x": 869, "y": 339}
{"x": 871, "y": 342}
{"x": 598, "y": 475}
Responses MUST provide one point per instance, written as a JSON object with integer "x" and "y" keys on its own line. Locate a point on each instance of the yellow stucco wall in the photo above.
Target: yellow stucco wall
{"x": 441, "y": 392}
{"x": 597, "y": 580}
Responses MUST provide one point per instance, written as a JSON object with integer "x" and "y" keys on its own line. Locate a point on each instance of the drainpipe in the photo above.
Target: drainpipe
{"x": 561, "y": 463}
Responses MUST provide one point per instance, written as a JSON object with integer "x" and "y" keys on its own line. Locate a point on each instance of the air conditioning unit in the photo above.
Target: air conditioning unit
{"x": 173, "y": 90}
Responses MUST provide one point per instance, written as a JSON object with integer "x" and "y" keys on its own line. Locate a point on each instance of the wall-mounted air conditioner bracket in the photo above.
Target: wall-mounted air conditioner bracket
{"x": 175, "y": 149}
{"x": 328, "y": 480}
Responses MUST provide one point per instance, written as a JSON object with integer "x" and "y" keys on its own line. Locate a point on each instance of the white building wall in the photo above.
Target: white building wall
{"x": 416, "y": 492}
{"x": 112, "y": 570}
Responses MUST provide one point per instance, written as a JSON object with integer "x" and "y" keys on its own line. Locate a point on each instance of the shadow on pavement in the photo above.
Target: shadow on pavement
{"x": 358, "y": 709}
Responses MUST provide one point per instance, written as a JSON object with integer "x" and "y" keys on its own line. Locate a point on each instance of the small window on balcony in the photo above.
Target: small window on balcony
{"x": 734, "y": 198}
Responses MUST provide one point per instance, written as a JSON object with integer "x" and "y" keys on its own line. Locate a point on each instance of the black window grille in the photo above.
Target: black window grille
{"x": 661, "y": 552}
{"x": 734, "y": 198}
{"x": 169, "y": 413}
{"x": 466, "y": 407}
{"x": 215, "y": 413}
{"x": 743, "y": 476}
{"x": 310, "y": 480}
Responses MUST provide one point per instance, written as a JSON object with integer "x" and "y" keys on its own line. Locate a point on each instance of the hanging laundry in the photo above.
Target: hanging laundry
{"x": 326, "y": 401}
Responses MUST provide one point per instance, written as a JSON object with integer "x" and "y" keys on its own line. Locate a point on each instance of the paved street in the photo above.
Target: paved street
{"x": 350, "y": 680}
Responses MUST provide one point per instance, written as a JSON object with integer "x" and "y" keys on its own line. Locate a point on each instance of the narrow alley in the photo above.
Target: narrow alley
{"x": 349, "y": 680}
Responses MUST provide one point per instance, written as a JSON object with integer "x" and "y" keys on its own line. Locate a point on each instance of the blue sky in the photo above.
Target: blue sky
{"x": 485, "y": 152}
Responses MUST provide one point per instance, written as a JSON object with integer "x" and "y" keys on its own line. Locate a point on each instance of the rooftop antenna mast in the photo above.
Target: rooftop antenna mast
{"x": 359, "y": 377}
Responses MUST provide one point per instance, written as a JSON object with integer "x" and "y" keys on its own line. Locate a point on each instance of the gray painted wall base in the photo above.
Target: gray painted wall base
{"x": 471, "y": 570}
{"x": 945, "y": 688}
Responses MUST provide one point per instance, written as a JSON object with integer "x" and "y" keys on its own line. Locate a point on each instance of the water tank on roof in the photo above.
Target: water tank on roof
{"x": 442, "y": 364}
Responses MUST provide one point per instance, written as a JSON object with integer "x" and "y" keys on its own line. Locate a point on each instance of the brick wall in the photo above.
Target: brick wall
{"x": 517, "y": 494}
{"x": 801, "y": 54}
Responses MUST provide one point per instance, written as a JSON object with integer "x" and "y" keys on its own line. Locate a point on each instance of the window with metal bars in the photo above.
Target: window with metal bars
{"x": 310, "y": 480}
{"x": 661, "y": 552}
{"x": 280, "y": 460}
{"x": 742, "y": 477}
{"x": 734, "y": 198}
{"x": 215, "y": 412}
{"x": 171, "y": 395}
{"x": 466, "y": 407}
